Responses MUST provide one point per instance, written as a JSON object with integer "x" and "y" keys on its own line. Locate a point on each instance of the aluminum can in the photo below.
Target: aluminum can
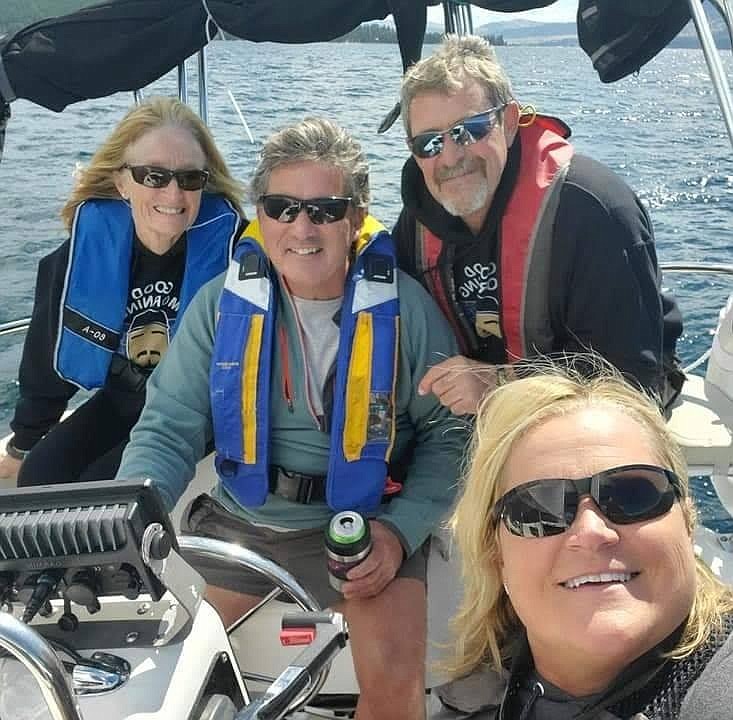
{"x": 348, "y": 542}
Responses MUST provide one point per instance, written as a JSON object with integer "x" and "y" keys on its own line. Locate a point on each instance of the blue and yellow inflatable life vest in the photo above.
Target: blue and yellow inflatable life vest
{"x": 362, "y": 424}
{"x": 94, "y": 298}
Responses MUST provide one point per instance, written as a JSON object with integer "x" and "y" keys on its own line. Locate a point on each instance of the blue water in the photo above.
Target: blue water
{"x": 661, "y": 130}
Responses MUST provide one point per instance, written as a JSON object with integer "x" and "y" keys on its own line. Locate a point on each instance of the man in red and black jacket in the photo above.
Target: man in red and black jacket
{"x": 528, "y": 247}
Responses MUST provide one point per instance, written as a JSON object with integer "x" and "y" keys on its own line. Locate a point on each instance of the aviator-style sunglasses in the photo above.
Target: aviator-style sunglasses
{"x": 625, "y": 495}
{"x": 468, "y": 131}
{"x": 157, "y": 177}
{"x": 285, "y": 209}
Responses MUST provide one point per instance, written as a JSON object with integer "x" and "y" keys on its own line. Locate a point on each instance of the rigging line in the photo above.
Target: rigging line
{"x": 241, "y": 116}
{"x": 210, "y": 18}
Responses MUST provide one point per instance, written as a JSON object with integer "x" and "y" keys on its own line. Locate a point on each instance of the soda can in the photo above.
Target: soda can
{"x": 348, "y": 542}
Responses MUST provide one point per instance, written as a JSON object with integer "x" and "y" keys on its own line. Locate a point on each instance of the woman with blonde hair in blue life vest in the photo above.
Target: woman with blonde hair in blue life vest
{"x": 153, "y": 217}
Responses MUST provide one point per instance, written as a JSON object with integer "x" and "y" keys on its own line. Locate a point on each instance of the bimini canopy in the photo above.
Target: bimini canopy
{"x": 127, "y": 44}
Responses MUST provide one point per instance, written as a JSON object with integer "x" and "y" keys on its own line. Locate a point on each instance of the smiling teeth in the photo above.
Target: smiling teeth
{"x": 168, "y": 210}
{"x": 602, "y": 578}
{"x": 305, "y": 251}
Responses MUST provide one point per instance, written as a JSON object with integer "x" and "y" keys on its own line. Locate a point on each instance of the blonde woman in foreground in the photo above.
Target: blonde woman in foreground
{"x": 575, "y": 529}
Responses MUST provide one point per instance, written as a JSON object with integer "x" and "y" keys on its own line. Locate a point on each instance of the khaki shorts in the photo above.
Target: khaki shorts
{"x": 301, "y": 552}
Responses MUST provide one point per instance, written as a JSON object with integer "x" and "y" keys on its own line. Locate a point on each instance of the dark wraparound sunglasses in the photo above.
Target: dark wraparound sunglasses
{"x": 157, "y": 177}
{"x": 468, "y": 131}
{"x": 285, "y": 209}
{"x": 626, "y": 494}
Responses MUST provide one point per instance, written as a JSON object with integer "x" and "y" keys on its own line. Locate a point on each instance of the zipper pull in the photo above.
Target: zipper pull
{"x": 537, "y": 692}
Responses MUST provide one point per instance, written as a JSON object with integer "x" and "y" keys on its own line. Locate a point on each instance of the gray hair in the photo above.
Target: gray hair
{"x": 459, "y": 58}
{"x": 314, "y": 139}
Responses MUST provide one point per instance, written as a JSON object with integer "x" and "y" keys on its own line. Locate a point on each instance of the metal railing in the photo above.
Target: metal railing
{"x": 25, "y": 644}
{"x": 39, "y": 658}
{"x": 14, "y": 326}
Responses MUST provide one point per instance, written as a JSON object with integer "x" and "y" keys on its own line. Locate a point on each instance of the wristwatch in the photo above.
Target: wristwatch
{"x": 503, "y": 375}
{"x": 14, "y": 452}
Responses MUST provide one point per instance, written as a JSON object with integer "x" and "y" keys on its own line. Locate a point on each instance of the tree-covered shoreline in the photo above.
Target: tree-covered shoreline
{"x": 383, "y": 33}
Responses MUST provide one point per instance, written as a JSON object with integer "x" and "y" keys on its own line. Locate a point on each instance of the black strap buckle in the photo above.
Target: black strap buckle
{"x": 297, "y": 487}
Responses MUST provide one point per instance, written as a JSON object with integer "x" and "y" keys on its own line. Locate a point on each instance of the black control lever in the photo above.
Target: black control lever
{"x": 330, "y": 637}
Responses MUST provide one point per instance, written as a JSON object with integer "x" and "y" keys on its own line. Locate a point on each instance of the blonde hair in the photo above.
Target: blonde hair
{"x": 458, "y": 59}
{"x": 315, "y": 139}
{"x": 486, "y": 621}
{"x": 97, "y": 180}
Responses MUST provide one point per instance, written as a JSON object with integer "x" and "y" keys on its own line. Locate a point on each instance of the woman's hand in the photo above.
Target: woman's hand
{"x": 9, "y": 467}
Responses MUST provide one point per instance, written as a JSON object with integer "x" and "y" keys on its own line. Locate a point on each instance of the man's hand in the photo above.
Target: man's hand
{"x": 459, "y": 383}
{"x": 9, "y": 467}
{"x": 379, "y": 568}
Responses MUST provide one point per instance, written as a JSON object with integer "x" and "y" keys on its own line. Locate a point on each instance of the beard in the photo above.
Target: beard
{"x": 471, "y": 199}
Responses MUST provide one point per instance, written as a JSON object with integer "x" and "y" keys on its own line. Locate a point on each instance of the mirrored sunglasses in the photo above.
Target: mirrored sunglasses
{"x": 285, "y": 209}
{"x": 158, "y": 177}
{"x": 625, "y": 495}
{"x": 471, "y": 129}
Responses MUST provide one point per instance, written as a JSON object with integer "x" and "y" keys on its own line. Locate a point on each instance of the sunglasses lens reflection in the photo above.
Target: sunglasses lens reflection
{"x": 468, "y": 131}
{"x": 157, "y": 177}
{"x": 624, "y": 496}
{"x": 320, "y": 211}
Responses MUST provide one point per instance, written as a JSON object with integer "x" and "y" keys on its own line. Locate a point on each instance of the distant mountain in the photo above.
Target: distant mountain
{"x": 527, "y": 32}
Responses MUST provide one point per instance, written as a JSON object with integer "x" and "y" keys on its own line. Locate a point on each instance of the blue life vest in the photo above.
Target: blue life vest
{"x": 93, "y": 302}
{"x": 363, "y": 421}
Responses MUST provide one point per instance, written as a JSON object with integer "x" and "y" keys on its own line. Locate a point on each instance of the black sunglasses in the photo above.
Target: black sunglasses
{"x": 626, "y": 494}
{"x": 471, "y": 129}
{"x": 158, "y": 177}
{"x": 285, "y": 209}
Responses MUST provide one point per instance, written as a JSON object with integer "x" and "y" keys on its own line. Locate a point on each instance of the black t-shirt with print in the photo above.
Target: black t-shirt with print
{"x": 476, "y": 270}
{"x": 152, "y": 303}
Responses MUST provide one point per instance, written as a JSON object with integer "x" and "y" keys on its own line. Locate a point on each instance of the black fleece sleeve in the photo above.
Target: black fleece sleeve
{"x": 43, "y": 394}
{"x": 605, "y": 282}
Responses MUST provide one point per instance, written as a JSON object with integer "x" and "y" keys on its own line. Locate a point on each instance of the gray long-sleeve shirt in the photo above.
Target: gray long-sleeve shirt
{"x": 176, "y": 423}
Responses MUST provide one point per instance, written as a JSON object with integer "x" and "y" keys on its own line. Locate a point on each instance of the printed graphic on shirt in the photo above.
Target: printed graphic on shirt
{"x": 148, "y": 338}
{"x": 477, "y": 286}
{"x": 151, "y": 312}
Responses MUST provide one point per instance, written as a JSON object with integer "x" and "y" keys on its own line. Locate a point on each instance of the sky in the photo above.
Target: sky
{"x": 559, "y": 11}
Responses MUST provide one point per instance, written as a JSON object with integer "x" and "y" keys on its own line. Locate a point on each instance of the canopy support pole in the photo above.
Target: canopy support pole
{"x": 203, "y": 87}
{"x": 182, "y": 83}
{"x": 712, "y": 56}
{"x": 458, "y": 18}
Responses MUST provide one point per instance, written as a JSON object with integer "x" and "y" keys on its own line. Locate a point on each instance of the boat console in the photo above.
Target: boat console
{"x": 95, "y": 598}
{"x": 80, "y": 545}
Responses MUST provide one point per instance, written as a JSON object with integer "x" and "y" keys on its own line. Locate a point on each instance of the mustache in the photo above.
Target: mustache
{"x": 460, "y": 168}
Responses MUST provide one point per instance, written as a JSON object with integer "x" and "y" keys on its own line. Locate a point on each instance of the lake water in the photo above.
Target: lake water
{"x": 661, "y": 130}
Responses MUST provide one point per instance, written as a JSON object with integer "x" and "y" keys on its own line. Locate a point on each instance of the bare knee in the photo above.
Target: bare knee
{"x": 229, "y": 604}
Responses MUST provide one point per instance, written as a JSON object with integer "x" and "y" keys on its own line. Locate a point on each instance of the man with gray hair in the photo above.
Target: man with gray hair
{"x": 528, "y": 247}
{"x": 302, "y": 364}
